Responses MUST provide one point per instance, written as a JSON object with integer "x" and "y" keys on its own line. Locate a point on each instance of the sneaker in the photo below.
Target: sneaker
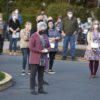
{"x": 23, "y": 72}
{"x": 73, "y": 58}
{"x": 29, "y": 72}
{"x": 14, "y": 53}
{"x": 64, "y": 58}
{"x": 10, "y": 53}
{"x": 42, "y": 92}
{"x": 51, "y": 71}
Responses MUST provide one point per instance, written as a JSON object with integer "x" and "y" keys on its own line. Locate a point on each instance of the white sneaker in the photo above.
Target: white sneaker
{"x": 23, "y": 72}
{"x": 51, "y": 72}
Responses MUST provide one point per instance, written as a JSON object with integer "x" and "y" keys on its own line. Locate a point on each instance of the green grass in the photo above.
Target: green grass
{"x": 2, "y": 76}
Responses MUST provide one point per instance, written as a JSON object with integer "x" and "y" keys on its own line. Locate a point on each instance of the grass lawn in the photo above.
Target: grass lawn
{"x": 2, "y": 76}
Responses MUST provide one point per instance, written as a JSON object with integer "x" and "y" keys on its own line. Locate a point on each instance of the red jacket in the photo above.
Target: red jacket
{"x": 35, "y": 47}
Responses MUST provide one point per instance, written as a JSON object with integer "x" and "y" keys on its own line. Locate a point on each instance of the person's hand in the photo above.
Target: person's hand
{"x": 45, "y": 51}
{"x": 63, "y": 34}
{"x": 52, "y": 40}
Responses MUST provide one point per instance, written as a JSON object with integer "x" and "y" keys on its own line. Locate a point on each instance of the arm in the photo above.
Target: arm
{"x": 89, "y": 37}
{"x": 33, "y": 46}
{"x": 23, "y": 35}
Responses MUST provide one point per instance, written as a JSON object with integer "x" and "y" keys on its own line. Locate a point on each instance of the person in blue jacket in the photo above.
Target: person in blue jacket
{"x": 54, "y": 37}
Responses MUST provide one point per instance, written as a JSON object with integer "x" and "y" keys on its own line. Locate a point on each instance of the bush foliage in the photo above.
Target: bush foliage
{"x": 2, "y": 76}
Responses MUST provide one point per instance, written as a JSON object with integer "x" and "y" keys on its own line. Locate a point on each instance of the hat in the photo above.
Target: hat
{"x": 41, "y": 26}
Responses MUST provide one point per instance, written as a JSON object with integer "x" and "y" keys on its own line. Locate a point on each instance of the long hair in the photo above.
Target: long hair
{"x": 93, "y": 22}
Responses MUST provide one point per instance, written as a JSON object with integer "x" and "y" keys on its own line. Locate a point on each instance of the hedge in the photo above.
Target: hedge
{"x": 56, "y": 9}
{"x": 2, "y": 76}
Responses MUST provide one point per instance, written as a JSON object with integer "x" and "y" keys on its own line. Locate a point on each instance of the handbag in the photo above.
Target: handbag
{"x": 94, "y": 45}
{"x": 43, "y": 60}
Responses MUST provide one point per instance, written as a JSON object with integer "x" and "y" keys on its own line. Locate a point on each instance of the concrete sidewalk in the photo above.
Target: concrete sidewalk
{"x": 6, "y": 45}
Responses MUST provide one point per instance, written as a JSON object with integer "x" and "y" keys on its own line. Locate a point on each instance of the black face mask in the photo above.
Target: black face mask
{"x": 41, "y": 32}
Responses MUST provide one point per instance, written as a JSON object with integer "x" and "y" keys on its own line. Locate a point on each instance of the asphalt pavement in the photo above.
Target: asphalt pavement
{"x": 71, "y": 82}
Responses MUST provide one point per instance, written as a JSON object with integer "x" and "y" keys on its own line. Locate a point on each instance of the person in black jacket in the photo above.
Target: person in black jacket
{"x": 1, "y": 33}
{"x": 14, "y": 28}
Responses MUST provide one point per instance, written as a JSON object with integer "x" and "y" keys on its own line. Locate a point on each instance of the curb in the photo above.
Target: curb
{"x": 6, "y": 83}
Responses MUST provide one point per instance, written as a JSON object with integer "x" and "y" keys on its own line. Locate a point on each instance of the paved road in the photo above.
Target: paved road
{"x": 71, "y": 82}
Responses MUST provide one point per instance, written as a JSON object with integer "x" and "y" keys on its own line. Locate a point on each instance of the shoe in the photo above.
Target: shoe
{"x": 51, "y": 71}
{"x": 73, "y": 58}
{"x": 23, "y": 72}
{"x": 29, "y": 72}
{"x": 14, "y": 54}
{"x": 64, "y": 58}
{"x": 42, "y": 92}
{"x": 45, "y": 83}
{"x": 1, "y": 54}
{"x": 34, "y": 92}
{"x": 10, "y": 53}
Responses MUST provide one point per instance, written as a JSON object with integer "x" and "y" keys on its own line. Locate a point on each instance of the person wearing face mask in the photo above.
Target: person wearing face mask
{"x": 39, "y": 18}
{"x": 2, "y": 24}
{"x": 54, "y": 37}
{"x": 58, "y": 24}
{"x": 14, "y": 28}
{"x": 70, "y": 26}
{"x": 19, "y": 16}
{"x": 24, "y": 41}
{"x": 92, "y": 53}
{"x": 39, "y": 47}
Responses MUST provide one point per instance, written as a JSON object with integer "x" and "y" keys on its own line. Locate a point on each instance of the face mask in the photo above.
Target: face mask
{"x": 41, "y": 32}
{"x": 14, "y": 17}
{"x": 70, "y": 15}
{"x": 96, "y": 26}
{"x": 89, "y": 21}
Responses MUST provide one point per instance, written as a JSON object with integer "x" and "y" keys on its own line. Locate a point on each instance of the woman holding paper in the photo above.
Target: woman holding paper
{"x": 54, "y": 37}
{"x": 93, "y": 49}
{"x": 14, "y": 28}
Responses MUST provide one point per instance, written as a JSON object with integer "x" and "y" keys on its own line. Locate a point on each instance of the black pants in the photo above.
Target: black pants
{"x": 1, "y": 44}
{"x": 34, "y": 69}
{"x": 52, "y": 58}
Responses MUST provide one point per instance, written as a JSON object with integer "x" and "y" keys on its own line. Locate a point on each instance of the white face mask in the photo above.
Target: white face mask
{"x": 89, "y": 21}
{"x": 14, "y": 17}
{"x": 96, "y": 26}
{"x": 70, "y": 15}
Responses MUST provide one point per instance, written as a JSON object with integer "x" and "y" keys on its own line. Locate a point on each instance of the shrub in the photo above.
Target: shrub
{"x": 2, "y": 76}
{"x": 60, "y": 9}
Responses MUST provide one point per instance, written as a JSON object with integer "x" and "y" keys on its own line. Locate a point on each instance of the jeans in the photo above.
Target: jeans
{"x": 34, "y": 69}
{"x": 13, "y": 43}
{"x": 69, "y": 39}
{"x": 25, "y": 54}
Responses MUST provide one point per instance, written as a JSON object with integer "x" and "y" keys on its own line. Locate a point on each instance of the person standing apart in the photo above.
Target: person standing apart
{"x": 24, "y": 45}
{"x": 70, "y": 26}
{"x": 54, "y": 37}
{"x": 14, "y": 28}
{"x": 92, "y": 53}
{"x": 1, "y": 33}
{"x": 39, "y": 47}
